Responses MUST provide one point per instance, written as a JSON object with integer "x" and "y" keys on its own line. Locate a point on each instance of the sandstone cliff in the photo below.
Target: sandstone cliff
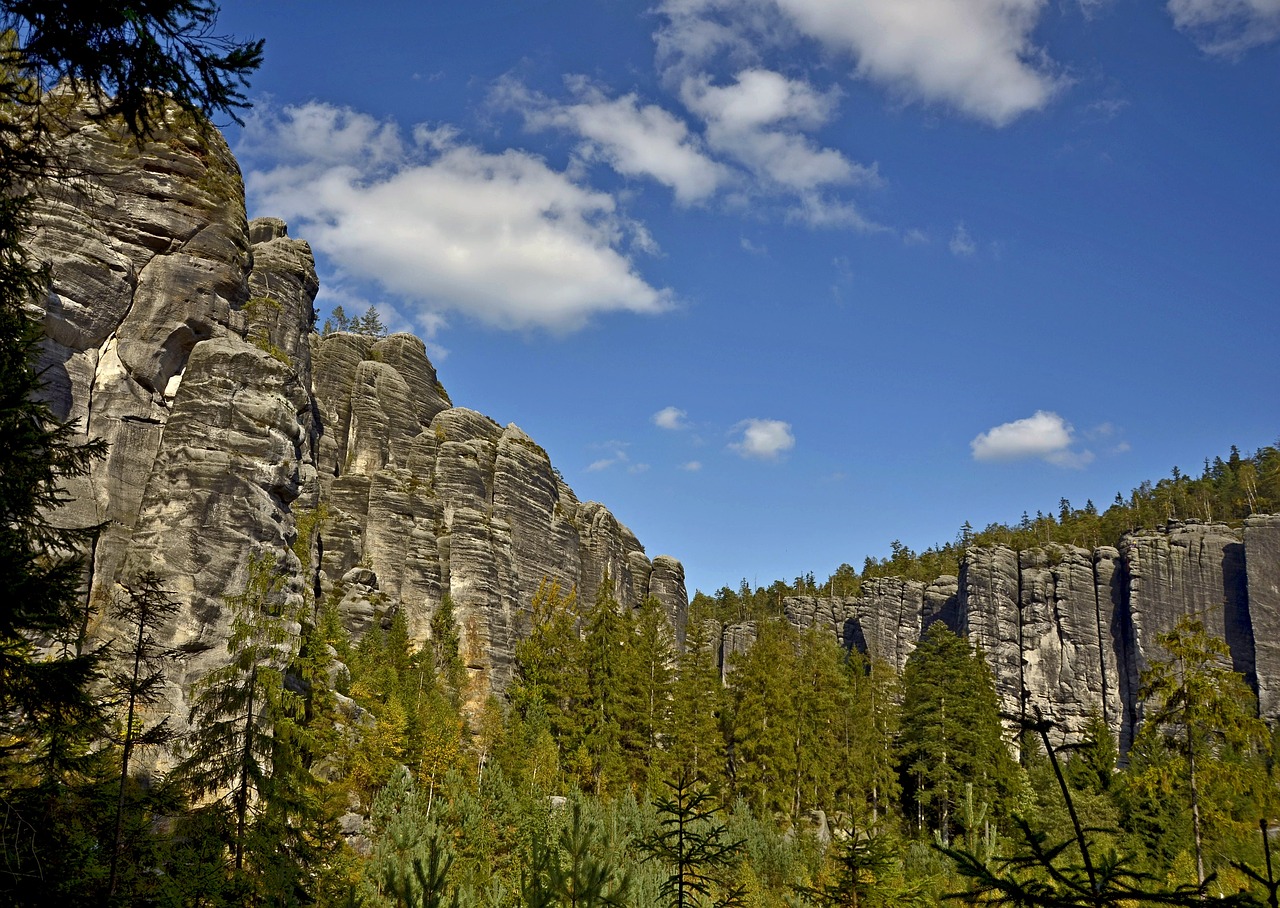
{"x": 182, "y": 334}
{"x": 1069, "y": 630}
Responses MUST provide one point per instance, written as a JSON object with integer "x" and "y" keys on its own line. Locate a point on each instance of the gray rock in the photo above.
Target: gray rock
{"x": 183, "y": 335}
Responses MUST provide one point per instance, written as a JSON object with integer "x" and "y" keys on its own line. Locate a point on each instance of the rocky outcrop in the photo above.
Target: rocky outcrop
{"x": 1068, "y": 631}
{"x": 182, "y": 334}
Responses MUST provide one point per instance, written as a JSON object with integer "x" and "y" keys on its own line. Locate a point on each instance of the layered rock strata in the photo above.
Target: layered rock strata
{"x": 183, "y": 334}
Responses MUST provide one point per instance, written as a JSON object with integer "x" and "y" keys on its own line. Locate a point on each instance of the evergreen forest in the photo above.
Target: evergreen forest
{"x": 618, "y": 769}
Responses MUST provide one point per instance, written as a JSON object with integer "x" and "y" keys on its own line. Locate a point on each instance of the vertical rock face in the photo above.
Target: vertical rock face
{"x": 1262, "y": 555}
{"x": 182, "y": 334}
{"x": 1068, "y": 669}
{"x": 1191, "y": 569}
{"x": 990, "y": 593}
{"x": 1069, "y": 631}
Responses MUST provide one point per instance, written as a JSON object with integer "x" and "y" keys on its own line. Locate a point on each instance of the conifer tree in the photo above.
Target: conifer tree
{"x": 694, "y": 846}
{"x": 249, "y": 742}
{"x": 763, "y": 719}
{"x": 606, "y": 638}
{"x": 951, "y": 735}
{"x": 697, "y": 699}
{"x": 447, "y": 651}
{"x": 1202, "y": 737}
{"x": 549, "y": 690}
{"x": 138, "y": 683}
{"x": 645, "y": 716}
{"x": 575, "y": 871}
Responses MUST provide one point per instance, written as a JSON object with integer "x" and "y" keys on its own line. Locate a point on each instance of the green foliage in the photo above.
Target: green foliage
{"x": 139, "y": 684}
{"x": 133, "y": 60}
{"x": 1201, "y": 745}
{"x": 951, "y": 738}
{"x": 250, "y": 743}
{"x": 693, "y": 844}
{"x": 763, "y": 721}
{"x": 868, "y": 874}
{"x": 575, "y": 872}
{"x": 368, "y": 324}
{"x": 696, "y": 747}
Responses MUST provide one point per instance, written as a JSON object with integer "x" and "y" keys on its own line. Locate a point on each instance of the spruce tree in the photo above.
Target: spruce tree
{"x": 697, "y": 701}
{"x": 1201, "y": 738}
{"x": 693, "y": 846}
{"x": 951, "y": 737}
{"x": 763, "y": 719}
{"x": 645, "y": 719}
{"x": 249, "y": 742}
{"x": 138, "y": 683}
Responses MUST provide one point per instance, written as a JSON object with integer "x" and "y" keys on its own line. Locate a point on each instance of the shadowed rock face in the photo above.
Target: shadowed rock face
{"x": 1069, "y": 631}
{"x": 182, "y": 334}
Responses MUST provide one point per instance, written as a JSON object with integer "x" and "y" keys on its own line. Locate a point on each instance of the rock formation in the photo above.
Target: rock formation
{"x": 182, "y": 334}
{"x": 1069, "y": 631}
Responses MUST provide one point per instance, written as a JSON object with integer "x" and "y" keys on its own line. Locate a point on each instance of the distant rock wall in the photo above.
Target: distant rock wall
{"x": 182, "y": 334}
{"x": 1069, "y": 631}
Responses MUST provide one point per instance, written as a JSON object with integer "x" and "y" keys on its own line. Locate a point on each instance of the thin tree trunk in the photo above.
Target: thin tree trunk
{"x": 125, "y": 753}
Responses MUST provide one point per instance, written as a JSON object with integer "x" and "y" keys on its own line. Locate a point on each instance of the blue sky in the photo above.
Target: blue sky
{"x": 780, "y": 281}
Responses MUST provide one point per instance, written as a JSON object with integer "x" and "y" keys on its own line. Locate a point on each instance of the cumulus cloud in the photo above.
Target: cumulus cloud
{"x": 1227, "y": 28}
{"x": 976, "y": 56}
{"x": 962, "y": 244}
{"x": 1044, "y": 435}
{"x": 636, "y": 140}
{"x": 764, "y": 439}
{"x": 692, "y": 466}
{"x": 760, "y": 120}
{"x": 672, "y": 418}
{"x": 445, "y": 226}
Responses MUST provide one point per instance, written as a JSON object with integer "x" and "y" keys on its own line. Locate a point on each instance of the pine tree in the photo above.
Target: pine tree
{"x": 1201, "y": 737}
{"x": 446, "y": 650}
{"x": 645, "y": 716}
{"x": 146, "y": 606}
{"x": 697, "y": 699}
{"x": 951, "y": 735}
{"x": 694, "y": 846}
{"x": 249, "y": 743}
{"x": 763, "y": 719}
{"x": 575, "y": 871}
{"x": 549, "y": 690}
{"x": 607, "y": 635}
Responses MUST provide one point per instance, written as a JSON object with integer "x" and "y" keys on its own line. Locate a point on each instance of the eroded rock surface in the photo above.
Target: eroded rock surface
{"x": 1068, "y": 631}
{"x": 183, "y": 334}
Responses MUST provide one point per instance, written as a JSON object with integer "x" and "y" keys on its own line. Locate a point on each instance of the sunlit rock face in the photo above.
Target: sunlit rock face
{"x": 1066, "y": 631}
{"x": 182, "y": 333}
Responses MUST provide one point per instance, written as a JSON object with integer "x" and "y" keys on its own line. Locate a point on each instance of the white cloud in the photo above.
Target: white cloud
{"x": 672, "y": 418}
{"x": 915, "y": 237}
{"x": 976, "y": 56}
{"x": 1227, "y": 28}
{"x": 1045, "y": 435}
{"x": 635, "y": 140}
{"x": 759, "y": 120}
{"x": 962, "y": 244}
{"x": 693, "y": 466}
{"x": 765, "y": 439}
{"x": 445, "y": 226}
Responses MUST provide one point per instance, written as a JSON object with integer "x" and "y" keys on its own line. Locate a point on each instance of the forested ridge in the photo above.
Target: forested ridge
{"x": 1225, "y": 491}
{"x": 617, "y": 768}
